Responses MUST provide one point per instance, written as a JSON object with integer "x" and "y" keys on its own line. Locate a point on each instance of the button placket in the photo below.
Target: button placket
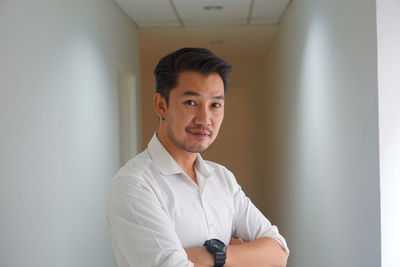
{"x": 202, "y": 186}
{"x": 209, "y": 216}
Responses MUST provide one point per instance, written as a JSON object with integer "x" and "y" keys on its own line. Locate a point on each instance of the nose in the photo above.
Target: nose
{"x": 203, "y": 116}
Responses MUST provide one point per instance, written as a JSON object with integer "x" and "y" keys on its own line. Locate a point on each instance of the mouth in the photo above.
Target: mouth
{"x": 200, "y": 133}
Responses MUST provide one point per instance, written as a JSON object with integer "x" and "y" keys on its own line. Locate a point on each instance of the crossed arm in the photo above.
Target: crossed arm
{"x": 144, "y": 235}
{"x": 265, "y": 252}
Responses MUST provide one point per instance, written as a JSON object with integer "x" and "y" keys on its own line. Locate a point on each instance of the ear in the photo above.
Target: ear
{"x": 160, "y": 105}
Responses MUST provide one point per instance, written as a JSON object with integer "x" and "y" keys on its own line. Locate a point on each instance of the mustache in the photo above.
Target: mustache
{"x": 201, "y": 129}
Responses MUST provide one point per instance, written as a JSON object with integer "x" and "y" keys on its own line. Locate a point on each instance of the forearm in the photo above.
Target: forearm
{"x": 200, "y": 257}
{"x": 265, "y": 252}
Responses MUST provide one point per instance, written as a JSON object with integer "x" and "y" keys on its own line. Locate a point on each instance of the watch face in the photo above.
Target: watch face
{"x": 216, "y": 245}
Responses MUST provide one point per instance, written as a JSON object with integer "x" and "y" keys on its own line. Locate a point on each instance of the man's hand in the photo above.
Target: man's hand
{"x": 263, "y": 252}
{"x": 200, "y": 256}
{"x": 237, "y": 241}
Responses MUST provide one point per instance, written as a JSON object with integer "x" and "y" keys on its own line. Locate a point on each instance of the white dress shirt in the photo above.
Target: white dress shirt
{"x": 155, "y": 210}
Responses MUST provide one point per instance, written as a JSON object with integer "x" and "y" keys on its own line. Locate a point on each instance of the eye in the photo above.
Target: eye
{"x": 216, "y": 105}
{"x": 190, "y": 102}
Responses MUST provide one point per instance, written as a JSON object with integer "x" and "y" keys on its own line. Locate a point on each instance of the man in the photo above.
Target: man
{"x": 169, "y": 207}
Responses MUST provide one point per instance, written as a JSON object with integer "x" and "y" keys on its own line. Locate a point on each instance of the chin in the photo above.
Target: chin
{"x": 196, "y": 148}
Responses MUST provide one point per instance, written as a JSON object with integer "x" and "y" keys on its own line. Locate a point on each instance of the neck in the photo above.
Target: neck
{"x": 185, "y": 159}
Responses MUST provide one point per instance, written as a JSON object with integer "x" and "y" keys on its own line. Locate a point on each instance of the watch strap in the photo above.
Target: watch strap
{"x": 220, "y": 258}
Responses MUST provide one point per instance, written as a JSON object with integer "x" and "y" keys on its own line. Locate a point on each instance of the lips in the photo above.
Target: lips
{"x": 199, "y": 132}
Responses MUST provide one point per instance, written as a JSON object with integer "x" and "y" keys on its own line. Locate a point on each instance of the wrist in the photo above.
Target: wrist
{"x": 218, "y": 249}
{"x": 200, "y": 255}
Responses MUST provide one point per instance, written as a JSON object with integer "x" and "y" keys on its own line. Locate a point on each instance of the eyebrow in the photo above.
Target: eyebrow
{"x": 197, "y": 94}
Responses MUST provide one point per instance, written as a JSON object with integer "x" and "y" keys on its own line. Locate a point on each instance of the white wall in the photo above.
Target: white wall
{"x": 322, "y": 111}
{"x": 59, "y": 138}
{"x": 388, "y": 20}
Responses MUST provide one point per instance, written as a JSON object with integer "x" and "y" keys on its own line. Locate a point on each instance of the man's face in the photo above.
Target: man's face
{"x": 195, "y": 111}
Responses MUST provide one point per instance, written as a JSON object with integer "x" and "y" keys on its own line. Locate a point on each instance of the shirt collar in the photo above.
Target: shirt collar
{"x": 167, "y": 164}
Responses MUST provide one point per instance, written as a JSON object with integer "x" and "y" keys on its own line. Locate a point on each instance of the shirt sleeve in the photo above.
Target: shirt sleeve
{"x": 250, "y": 223}
{"x": 142, "y": 232}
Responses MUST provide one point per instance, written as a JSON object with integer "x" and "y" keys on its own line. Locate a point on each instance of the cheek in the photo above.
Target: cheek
{"x": 218, "y": 119}
{"x": 181, "y": 118}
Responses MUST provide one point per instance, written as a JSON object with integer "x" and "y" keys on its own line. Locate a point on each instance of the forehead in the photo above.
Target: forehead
{"x": 205, "y": 85}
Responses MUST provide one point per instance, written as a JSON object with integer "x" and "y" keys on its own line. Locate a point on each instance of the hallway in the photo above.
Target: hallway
{"x": 306, "y": 132}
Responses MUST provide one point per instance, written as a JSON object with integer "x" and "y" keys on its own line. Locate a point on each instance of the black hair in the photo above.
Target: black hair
{"x": 188, "y": 59}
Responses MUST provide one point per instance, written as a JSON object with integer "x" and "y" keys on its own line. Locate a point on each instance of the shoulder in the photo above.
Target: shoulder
{"x": 222, "y": 174}
{"x": 137, "y": 165}
{"x": 138, "y": 170}
{"x": 213, "y": 166}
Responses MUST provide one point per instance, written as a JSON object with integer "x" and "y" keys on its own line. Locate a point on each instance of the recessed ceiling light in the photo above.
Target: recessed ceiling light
{"x": 213, "y": 7}
{"x": 216, "y": 42}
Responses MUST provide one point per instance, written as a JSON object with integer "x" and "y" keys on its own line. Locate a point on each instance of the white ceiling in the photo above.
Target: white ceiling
{"x": 227, "y": 42}
{"x": 241, "y": 28}
{"x": 200, "y": 13}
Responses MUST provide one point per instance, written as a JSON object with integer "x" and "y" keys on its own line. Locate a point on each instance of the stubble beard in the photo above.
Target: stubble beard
{"x": 181, "y": 145}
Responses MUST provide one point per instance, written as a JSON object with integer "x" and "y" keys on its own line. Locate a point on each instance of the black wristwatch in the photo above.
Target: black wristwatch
{"x": 217, "y": 248}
